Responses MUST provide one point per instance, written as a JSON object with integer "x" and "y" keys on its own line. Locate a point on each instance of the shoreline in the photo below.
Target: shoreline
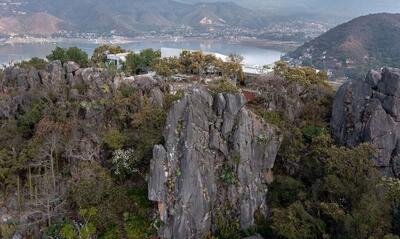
{"x": 283, "y": 46}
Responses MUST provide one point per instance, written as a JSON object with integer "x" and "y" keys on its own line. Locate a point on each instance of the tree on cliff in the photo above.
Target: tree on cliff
{"x": 140, "y": 62}
{"x": 71, "y": 54}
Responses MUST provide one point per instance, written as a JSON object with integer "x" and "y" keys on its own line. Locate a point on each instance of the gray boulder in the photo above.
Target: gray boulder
{"x": 71, "y": 67}
{"x": 216, "y": 158}
{"x": 157, "y": 97}
{"x": 144, "y": 83}
{"x": 369, "y": 111}
{"x": 56, "y": 72}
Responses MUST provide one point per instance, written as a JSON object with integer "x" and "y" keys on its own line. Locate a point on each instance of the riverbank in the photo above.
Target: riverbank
{"x": 283, "y": 46}
{"x": 254, "y": 52}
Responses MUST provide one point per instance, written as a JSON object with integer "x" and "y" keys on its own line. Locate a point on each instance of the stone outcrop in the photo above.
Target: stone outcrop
{"x": 369, "y": 111}
{"x": 216, "y": 161}
{"x": 20, "y": 85}
{"x": 290, "y": 99}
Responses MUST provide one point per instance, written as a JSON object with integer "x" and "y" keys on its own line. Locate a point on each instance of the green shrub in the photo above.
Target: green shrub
{"x": 88, "y": 229}
{"x": 171, "y": 98}
{"x": 114, "y": 139}
{"x": 223, "y": 86}
{"x": 285, "y": 190}
{"x": 7, "y": 230}
{"x": 38, "y": 63}
{"x": 137, "y": 226}
{"x": 58, "y": 54}
{"x": 227, "y": 225}
{"x": 100, "y": 192}
{"x": 139, "y": 196}
{"x": 53, "y": 231}
{"x": 391, "y": 236}
{"x": 127, "y": 90}
{"x": 149, "y": 124}
{"x": 271, "y": 117}
{"x": 137, "y": 62}
{"x": 112, "y": 232}
{"x": 71, "y": 54}
{"x": 68, "y": 231}
{"x": 228, "y": 175}
{"x": 295, "y": 222}
{"x": 311, "y": 132}
{"x": 26, "y": 123}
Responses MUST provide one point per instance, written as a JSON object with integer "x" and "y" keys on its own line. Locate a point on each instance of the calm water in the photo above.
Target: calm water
{"x": 252, "y": 55}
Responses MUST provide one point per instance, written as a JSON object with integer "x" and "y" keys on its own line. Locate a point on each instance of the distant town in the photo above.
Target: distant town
{"x": 285, "y": 35}
{"x": 296, "y": 31}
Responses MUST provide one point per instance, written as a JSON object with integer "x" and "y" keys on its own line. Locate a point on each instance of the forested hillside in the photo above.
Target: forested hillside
{"x": 84, "y": 148}
{"x": 351, "y": 49}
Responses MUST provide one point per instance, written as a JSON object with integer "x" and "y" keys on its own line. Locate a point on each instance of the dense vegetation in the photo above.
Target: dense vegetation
{"x": 321, "y": 190}
{"x": 78, "y": 164}
{"x": 75, "y": 158}
{"x": 71, "y": 54}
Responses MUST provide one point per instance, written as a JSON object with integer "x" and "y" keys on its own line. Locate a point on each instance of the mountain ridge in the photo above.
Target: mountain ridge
{"x": 129, "y": 16}
{"x": 351, "y": 48}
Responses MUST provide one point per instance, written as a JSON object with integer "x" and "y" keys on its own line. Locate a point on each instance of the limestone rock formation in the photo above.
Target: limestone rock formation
{"x": 216, "y": 161}
{"x": 369, "y": 111}
{"x": 82, "y": 84}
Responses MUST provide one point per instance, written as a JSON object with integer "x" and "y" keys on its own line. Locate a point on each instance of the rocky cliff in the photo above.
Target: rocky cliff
{"x": 369, "y": 111}
{"x": 216, "y": 162}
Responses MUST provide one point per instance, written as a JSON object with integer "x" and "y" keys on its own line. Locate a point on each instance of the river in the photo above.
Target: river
{"x": 253, "y": 55}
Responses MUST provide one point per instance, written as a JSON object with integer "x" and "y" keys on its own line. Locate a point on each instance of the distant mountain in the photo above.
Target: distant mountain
{"x": 338, "y": 8}
{"x": 35, "y": 23}
{"x": 371, "y": 41}
{"x": 121, "y": 16}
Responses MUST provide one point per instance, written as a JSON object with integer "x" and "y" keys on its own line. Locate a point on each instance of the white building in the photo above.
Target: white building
{"x": 173, "y": 52}
{"x": 251, "y": 70}
{"x": 117, "y": 59}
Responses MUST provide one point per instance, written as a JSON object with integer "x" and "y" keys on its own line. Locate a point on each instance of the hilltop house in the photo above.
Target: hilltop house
{"x": 248, "y": 70}
{"x": 117, "y": 59}
{"x": 173, "y": 52}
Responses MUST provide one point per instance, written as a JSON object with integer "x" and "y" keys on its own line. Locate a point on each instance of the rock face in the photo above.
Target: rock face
{"x": 216, "y": 160}
{"x": 369, "y": 111}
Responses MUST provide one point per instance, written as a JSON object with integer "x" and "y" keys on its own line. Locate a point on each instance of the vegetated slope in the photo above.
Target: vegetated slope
{"x": 77, "y": 153}
{"x": 350, "y": 49}
{"x": 128, "y": 16}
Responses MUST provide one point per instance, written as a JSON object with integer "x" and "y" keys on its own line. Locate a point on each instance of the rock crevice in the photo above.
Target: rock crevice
{"x": 216, "y": 158}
